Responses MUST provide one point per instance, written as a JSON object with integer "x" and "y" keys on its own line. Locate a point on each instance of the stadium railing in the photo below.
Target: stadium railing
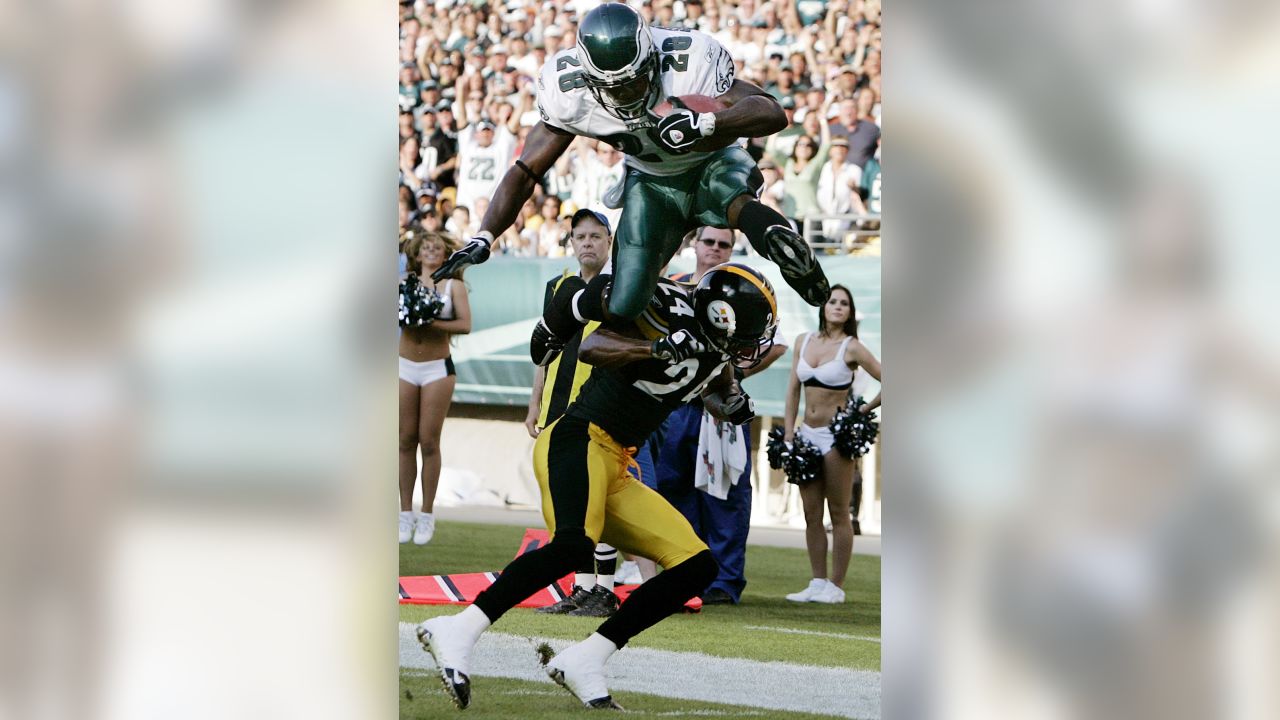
{"x": 862, "y": 227}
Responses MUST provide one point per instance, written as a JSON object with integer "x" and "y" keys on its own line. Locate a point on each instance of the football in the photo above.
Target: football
{"x": 696, "y": 103}
{"x": 699, "y": 104}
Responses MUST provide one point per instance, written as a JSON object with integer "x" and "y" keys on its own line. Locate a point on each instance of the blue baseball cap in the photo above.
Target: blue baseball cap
{"x": 585, "y": 213}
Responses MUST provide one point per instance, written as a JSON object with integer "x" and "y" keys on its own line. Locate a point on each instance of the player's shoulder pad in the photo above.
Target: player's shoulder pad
{"x": 560, "y": 97}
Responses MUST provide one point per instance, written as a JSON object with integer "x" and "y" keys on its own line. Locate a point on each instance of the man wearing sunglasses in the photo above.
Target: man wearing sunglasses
{"x": 711, "y": 486}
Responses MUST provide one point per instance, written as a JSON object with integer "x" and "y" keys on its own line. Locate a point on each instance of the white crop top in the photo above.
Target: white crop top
{"x": 833, "y": 374}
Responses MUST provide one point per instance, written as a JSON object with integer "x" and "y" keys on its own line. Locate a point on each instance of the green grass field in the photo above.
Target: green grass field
{"x": 765, "y": 627}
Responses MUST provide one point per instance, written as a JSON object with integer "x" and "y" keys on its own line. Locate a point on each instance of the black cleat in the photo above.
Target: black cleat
{"x": 600, "y": 602}
{"x": 798, "y": 264}
{"x": 473, "y": 253}
{"x": 575, "y": 599}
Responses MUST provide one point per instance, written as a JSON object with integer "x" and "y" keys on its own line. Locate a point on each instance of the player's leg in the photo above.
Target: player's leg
{"x": 639, "y": 521}
{"x": 573, "y": 477}
{"x": 573, "y": 472}
{"x": 726, "y": 197}
{"x": 654, "y": 219}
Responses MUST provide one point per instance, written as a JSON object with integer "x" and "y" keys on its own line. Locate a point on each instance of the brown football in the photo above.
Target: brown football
{"x": 696, "y": 103}
{"x": 700, "y": 104}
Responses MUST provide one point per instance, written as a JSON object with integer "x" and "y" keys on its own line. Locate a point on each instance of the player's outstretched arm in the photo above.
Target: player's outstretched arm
{"x": 606, "y": 348}
{"x": 752, "y": 112}
{"x": 543, "y": 146}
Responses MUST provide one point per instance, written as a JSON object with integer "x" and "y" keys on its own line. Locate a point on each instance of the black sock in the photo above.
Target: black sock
{"x": 606, "y": 562}
{"x": 559, "y": 313}
{"x": 533, "y": 571}
{"x": 754, "y": 219}
{"x": 586, "y": 298}
{"x": 660, "y": 597}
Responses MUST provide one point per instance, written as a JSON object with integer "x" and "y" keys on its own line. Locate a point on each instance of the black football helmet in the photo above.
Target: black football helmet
{"x": 737, "y": 311}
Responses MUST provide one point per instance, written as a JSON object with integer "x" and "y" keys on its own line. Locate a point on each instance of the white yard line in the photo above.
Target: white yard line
{"x": 793, "y": 631}
{"x": 694, "y": 676}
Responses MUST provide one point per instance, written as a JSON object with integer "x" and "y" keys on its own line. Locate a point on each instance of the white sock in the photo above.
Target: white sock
{"x": 597, "y": 648}
{"x": 584, "y": 580}
{"x": 605, "y": 581}
{"x": 426, "y": 515}
{"x": 472, "y": 621}
{"x": 406, "y": 515}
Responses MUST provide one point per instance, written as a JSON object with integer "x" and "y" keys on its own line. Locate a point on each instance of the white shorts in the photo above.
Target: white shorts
{"x": 821, "y": 437}
{"x": 425, "y": 373}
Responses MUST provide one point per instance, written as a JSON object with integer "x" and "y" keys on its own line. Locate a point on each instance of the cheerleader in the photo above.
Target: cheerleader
{"x": 824, "y": 364}
{"x": 430, "y": 315}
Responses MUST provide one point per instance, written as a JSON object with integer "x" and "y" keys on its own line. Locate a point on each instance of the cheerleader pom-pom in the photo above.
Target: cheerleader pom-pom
{"x": 803, "y": 463}
{"x": 776, "y": 448}
{"x": 854, "y": 431}
{"x": 418, "y": 305}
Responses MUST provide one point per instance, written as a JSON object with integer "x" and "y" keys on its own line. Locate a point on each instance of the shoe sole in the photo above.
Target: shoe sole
{"x": 545, "y": 655}
{"x": 460, "y": 699}
{"x": 593, "y": 613}
{"x": 796, "y": 261}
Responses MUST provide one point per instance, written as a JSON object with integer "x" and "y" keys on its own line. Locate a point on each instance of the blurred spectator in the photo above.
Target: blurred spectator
{"x": 484, "y": 153}
{"x": 837, "y": 189}
{"x": 862, "y": 132}
{"x": 869, "y": 187}
{"x": 800, "y": 180}
{"x": 461, "y": 223}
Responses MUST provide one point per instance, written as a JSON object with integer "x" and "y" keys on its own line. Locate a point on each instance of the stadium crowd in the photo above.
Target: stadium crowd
{"x": 467, "y": 101}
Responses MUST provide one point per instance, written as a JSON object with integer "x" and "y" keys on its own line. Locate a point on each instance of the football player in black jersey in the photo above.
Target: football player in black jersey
{"x": 680, "y": 346}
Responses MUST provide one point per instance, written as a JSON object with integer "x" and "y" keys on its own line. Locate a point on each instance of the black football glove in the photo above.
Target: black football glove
{"x": 677, "y": 347}
{"x": 678, "y": 131}
{"x": 739, "y": 409}
{"x": 473, "y": 253}
{"x": 544, "y": 346}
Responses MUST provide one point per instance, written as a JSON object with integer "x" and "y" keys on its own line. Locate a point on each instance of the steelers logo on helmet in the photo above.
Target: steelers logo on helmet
{"x": 736, "y": 310}
{"x": 721, "y": 316}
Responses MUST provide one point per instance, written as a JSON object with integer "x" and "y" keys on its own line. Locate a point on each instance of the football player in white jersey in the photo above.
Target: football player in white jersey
{"x": 684, "y": 169}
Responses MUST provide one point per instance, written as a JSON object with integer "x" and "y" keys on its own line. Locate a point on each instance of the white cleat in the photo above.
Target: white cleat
{"x": 424, "y": 528}
{"x": 406, "y": 526}
{"x": 628, "y": 574}
{"x": 452, "y": 654}
{"x": 831, "y": 595}
{"x": 576, "y": 672}
{"x": 816, "y": 586}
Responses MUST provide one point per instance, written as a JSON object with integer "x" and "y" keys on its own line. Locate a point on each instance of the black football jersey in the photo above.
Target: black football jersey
{"x": 631, "y": 401}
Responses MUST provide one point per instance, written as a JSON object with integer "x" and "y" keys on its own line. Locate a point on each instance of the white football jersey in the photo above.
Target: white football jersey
{"x": 481, "y": 168}
{"x": 692, "y": 63}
